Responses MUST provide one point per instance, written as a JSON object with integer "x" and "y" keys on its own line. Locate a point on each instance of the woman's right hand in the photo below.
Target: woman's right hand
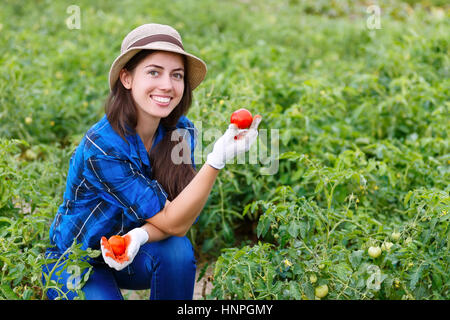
{"x": 232, "y": 143}
{"x": 134, "y": 239}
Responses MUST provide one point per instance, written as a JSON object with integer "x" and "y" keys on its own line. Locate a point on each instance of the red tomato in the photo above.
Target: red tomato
{"x": 242, "y": 118}
{"x": 117, "y": 244}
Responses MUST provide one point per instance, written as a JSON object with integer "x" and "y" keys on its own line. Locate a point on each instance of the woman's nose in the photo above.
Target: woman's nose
{"x": 165, "y": 83}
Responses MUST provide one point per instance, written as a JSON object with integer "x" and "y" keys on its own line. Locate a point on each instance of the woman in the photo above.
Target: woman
{"x": 125, "y": 178}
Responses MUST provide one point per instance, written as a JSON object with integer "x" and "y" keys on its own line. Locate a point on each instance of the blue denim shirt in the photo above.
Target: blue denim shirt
{"x": 109, "y": 187}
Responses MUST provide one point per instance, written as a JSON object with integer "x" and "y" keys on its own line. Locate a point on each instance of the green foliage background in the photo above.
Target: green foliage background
{"x": 363, "y": 117}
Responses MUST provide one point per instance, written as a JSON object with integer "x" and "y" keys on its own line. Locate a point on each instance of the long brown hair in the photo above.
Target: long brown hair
{"x": 122, "y": 115}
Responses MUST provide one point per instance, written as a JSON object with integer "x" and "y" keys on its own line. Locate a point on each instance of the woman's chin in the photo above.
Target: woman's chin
{"x": 158, "y": 112}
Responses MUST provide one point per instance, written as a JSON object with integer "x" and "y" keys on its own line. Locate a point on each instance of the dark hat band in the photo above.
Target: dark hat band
{"x": 155, "y": 38}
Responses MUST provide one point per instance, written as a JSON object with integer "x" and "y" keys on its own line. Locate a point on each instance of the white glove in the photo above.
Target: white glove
{"x": 133, "y": 241}
{"x": 232, "y": 143}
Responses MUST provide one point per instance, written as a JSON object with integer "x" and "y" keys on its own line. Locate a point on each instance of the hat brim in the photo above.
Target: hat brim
{"x": 196, "y": 66}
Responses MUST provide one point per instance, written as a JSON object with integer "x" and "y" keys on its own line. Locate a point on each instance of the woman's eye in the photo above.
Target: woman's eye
{"x": 178, "y": 75}
{"x": 153, "y": 72}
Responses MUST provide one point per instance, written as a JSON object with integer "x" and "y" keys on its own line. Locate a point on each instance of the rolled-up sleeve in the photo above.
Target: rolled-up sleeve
{"x": 121, "y": 183}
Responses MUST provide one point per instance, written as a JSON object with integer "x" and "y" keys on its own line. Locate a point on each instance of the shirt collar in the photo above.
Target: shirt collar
{"x": 138, "y": 150}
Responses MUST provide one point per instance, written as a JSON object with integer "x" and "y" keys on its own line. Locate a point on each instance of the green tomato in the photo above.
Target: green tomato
{"x": 386, "y": 246}
{"x": 30, "y": 155}
{"x": 321, "y": 291}
{"x": 313, "y": 278}
{"x": 395, "y": 236}
{"x": 374, "y": 252}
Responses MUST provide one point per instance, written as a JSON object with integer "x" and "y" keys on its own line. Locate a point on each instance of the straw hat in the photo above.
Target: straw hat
{"x": 156, "y": 37}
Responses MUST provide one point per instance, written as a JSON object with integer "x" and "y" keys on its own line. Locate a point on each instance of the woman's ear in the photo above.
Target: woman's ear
{"x": 125, "y": 78}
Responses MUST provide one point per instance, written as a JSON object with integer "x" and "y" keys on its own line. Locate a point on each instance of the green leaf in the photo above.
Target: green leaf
{"x": 341, "y": 271}
{"x": 291, "y": 155}
{"x": 294, "y": 290}
{"x": 208, "y": 244}
{"x": 293, "y": 229}
{"x": 415, "y": 278}
{"x": 304, "y": 228}
{"x": 6, "y": 260}
{"x": 437, "y": 280}
{"x": 319, "y": 187}
{"x": 8, "y": 292}
{"x": 408, "y": 195}
{"x": 27, "y": 294}
{"x": 202, "y": 272}
{"x": 263, "y": 227}
{"x": 308, "y": 290}
{"x": 239, "y": 254}
{"x": 355, "y": 258}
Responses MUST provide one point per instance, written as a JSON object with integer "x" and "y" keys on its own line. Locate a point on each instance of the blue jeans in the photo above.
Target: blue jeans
{"x": 167, "y": 267}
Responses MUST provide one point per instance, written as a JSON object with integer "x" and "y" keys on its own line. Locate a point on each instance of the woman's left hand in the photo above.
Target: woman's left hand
{"x": 133, "y": 241}
{"x": 232, "y": 143}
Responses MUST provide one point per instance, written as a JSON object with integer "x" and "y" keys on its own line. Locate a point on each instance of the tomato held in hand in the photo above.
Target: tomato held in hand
{"x": 242, "y": 118}
{"x": 117, "y": 244}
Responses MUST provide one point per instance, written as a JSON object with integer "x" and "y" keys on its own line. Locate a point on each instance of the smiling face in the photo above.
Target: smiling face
{"x": 156, "y": 84}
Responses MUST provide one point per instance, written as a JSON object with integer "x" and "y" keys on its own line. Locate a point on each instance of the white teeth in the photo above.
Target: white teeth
{"x": 161, "y": 99}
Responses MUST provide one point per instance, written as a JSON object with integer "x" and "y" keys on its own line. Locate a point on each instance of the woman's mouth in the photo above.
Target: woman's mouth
{"x": 161, "y": 100}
